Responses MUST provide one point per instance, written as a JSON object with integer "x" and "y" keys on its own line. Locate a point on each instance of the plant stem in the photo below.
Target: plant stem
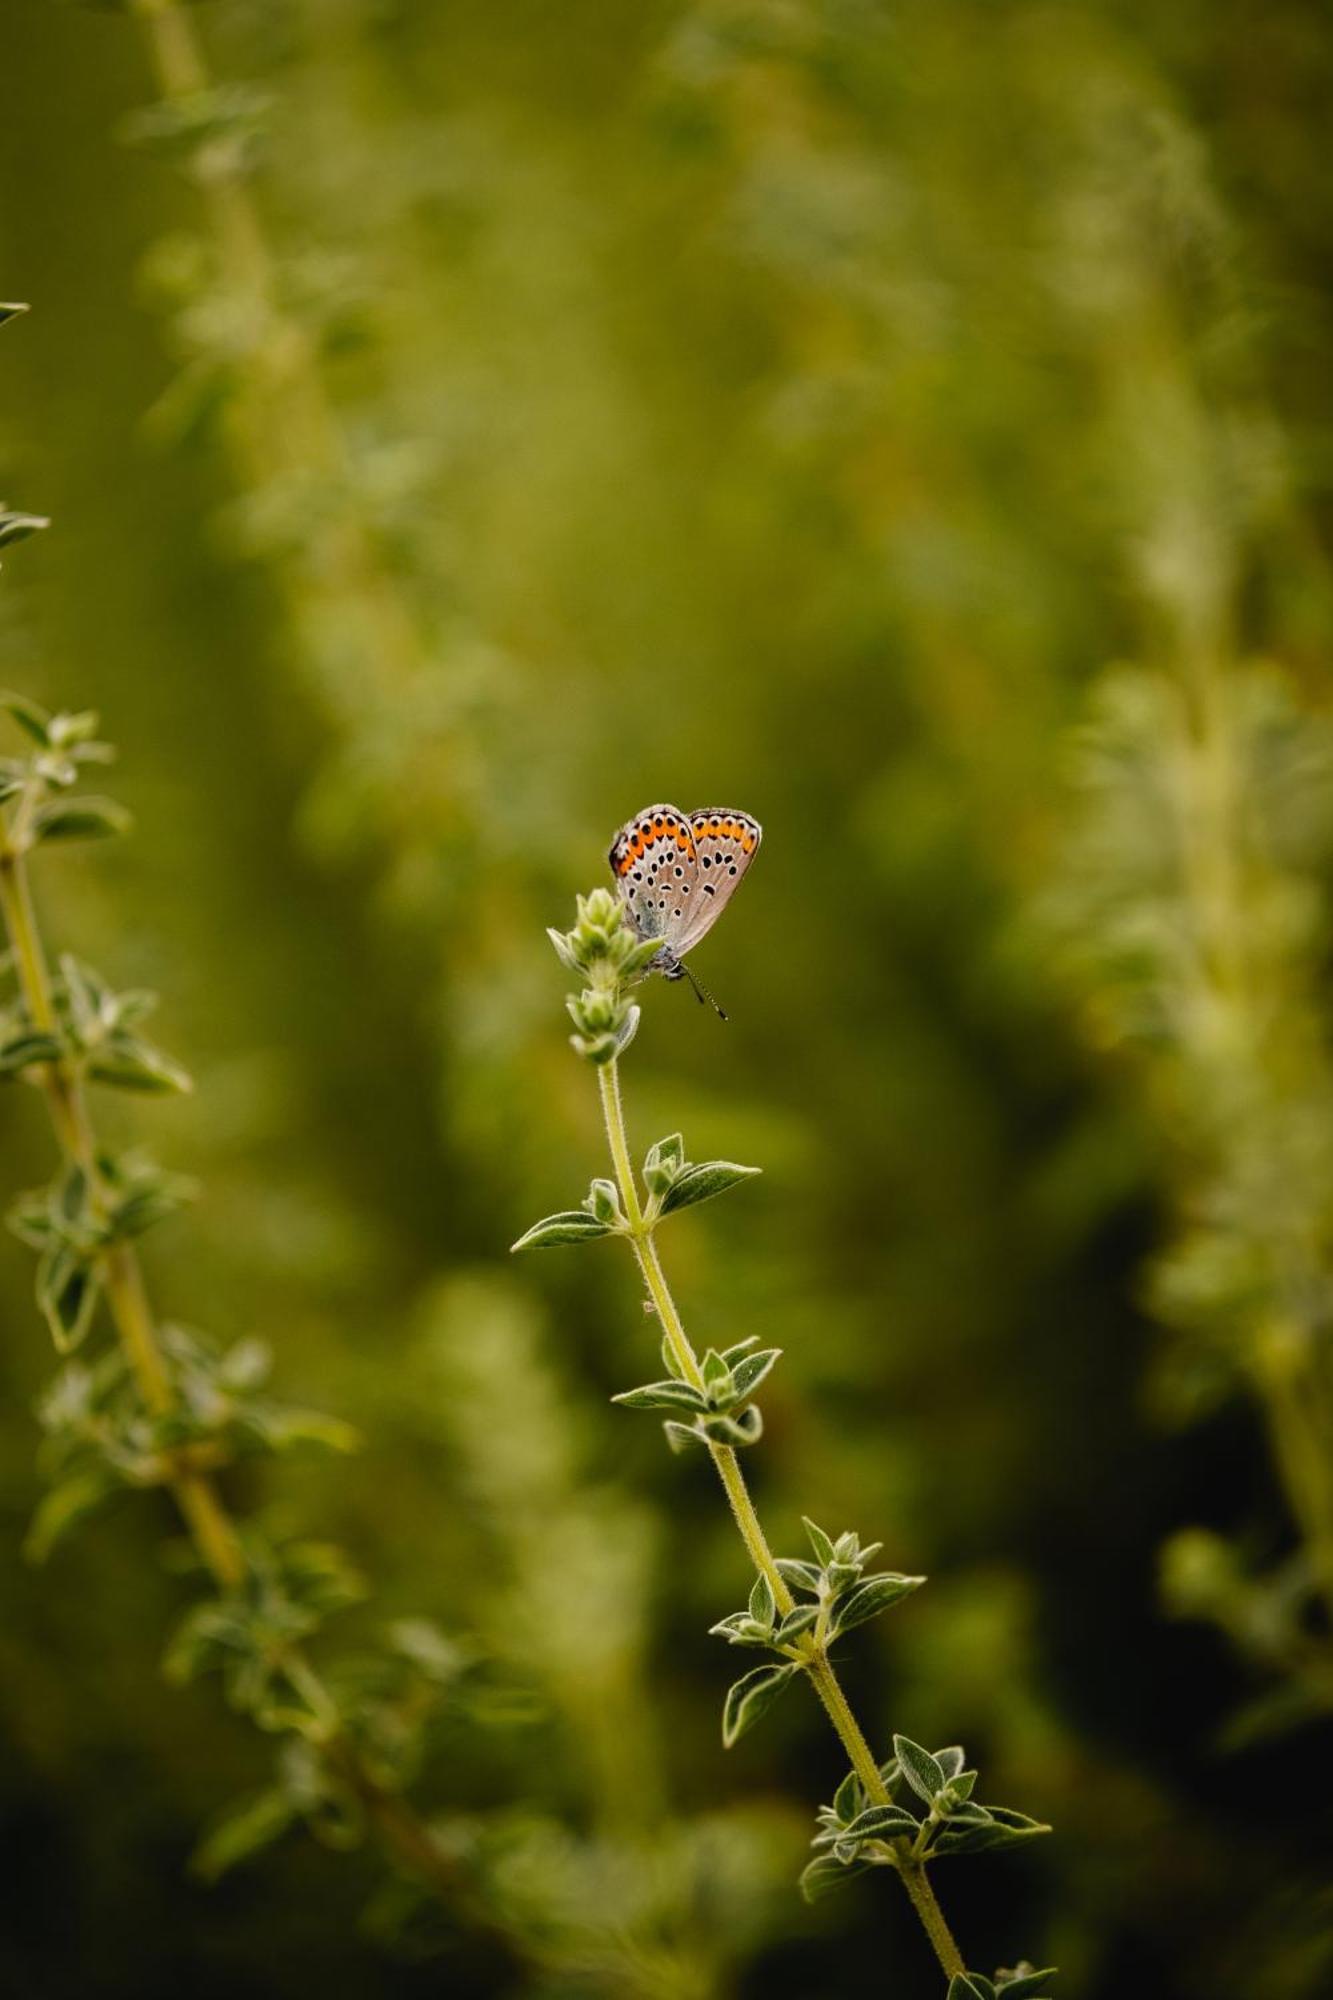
{"x": 201, "y": 1506}
{"x": 820, "y": 1669}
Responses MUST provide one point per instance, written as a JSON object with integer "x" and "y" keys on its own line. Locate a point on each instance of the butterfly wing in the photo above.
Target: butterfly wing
{"x": 726, "y": 842}
{"x": 656, "y": 866}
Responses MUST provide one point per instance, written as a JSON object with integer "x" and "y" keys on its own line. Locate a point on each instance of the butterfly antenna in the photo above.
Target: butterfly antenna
{"x": 702, "y": 994}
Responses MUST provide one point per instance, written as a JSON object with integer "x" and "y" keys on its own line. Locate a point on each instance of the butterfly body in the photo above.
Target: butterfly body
{"x": 676, "y": 873}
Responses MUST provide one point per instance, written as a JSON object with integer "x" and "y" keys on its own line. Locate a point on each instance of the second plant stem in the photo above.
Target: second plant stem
{"x": 202, "y": 1508}
{"x": 819, "y": 1668}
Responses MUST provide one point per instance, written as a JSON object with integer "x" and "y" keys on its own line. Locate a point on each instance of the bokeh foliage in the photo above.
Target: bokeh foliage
{"x": 464, "y": 425}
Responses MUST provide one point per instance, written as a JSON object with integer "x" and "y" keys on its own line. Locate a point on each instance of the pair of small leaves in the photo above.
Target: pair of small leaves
{"x": 1023, "y": 1983}
{"x": 583, "y": 1225}
{"x": 759, "y": 1624}
{"x": 729, "y": 1379}
{"x": 103, "y": 1024}
{"x": 961, "y": 1825}
{"x": 736, "y": 1432}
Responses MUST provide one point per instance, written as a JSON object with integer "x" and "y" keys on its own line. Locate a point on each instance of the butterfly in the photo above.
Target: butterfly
{"x": 676, "y": 873}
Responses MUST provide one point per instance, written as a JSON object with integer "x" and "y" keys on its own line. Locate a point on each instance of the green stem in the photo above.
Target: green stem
{"x": 822, "y": 1674}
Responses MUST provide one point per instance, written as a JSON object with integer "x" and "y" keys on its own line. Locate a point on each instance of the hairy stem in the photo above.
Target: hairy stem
{"x": 818, "y": 1667}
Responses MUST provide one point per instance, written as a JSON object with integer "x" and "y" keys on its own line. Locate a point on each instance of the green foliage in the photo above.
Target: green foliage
{"x": 1194, "y": 929}
{"x": 854, "y": 1832}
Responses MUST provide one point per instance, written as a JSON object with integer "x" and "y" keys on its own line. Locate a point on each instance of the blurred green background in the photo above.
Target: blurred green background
{"x": 800, "y": 405}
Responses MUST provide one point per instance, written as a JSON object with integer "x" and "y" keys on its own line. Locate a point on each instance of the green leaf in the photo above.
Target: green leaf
{"x": 715, "y": 1370}
{"x": 701, "y": 1183}
{"x": 663, "y": 1162}
{"x": 762, "y": 1607}
{"x": 819, "y": 1542}
{"x": 1022, "y": 1983}
{"x": 29, "y": 715}
{"x": 797, "y": 1621}
{"x": 67, "y": 1292}
{"x": 919, "y": 1768}
{"x": 751, "y": 1697}
{"x": 849, "y": 1799}
{"x": 563, "y": 950}
{"x": 745, "y": 1427}
{"x": 739, "y": 1629}
{"x": 27, "y": 1048}
{"x": 876, "y": 1594}
{"x": 12, "y": 311}
{"x": 662, "y": 1396}
{"x": 248, "y": 1827}
{"x": 826, "y": 1872}
{"x": 572, "y": 1225}
{"x": 287, "y": 1429}
{"x": 63, "y": 1508}
{"x": 751, "y": 1370}
{"x": 79, "y": 819}
{"x": 970, "y": 1986}
{"x": 951, "y": 1759}
{"x": 603, "y": 1201}
{"x": 999, "y": 1828}
{"x": 883, "y": 1823}
{"x": 17, "y": 527}
{"x": 797, "y": 1574}
{"x": 152, "y": 1203}
{"x": 130, "y": 1064}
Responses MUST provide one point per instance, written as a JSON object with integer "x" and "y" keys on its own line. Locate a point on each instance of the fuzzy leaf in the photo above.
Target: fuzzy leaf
{"x": 701, "y": 1183}
{"x": 29, "y": 1047}
{"x": 63, "y": 1508}
{"x": 919, "y": 1768}
{"x": 1021, "y": 1984}
{"x": 826, "y": 1872}
{"x": 742, "y": 1428}
{"x": 739, "y": 1629}
{"x": 999, "y": 1828}
{"x": 762, "y": 1607}
{"x": 883, "y": 1823}
{"x": 848, "y": 1799}
{"x": 798, "y": 1574}
{"x": 970, "y": 1986}
{"x": 79, "y": 819}
{"x": 30, "y": 716}
{"x": 819, "y": 1542}
{"x": 571, "y": 1225}
{"x": 130, "y": 1064}
{"x": 661, "y": 1396}
{"x": 751, "y": 1369}
{"x": 751, "y": 1697}
{"x": 67, "y": 1292}
{"x": 248, "y": 1827}
{"x": 17, "y": 527}
{"x": 876, "y": 1594}
{"x": 797, "y": 1621}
